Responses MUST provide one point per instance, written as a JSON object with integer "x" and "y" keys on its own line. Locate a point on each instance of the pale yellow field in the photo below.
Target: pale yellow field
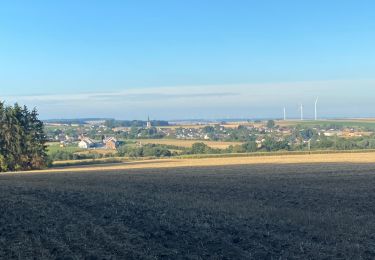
{"x": 207, "y": 162}
{"x": 187, "y": 143}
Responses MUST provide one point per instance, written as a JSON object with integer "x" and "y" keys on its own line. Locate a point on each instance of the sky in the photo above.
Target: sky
{"x": 191, "y": 59}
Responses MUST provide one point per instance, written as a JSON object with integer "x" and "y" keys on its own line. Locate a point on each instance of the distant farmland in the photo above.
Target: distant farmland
{"x": 187, "y": 143}
{"x": 365, "y": 123}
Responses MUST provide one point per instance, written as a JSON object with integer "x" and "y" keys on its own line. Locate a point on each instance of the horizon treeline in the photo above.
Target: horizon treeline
{"x": 112, "y": 123}
{"x": 22, "y": 139}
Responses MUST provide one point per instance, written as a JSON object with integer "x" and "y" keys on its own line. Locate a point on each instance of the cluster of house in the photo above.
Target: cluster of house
{"x": 64, "y": 138}
{"x": 191, "y": 133}
{"x": 347, "y": 133}
{"x": 110, "y": 143}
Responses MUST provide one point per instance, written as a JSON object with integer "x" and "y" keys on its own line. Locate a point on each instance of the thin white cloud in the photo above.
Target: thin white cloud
{"x": 246, "y": 100}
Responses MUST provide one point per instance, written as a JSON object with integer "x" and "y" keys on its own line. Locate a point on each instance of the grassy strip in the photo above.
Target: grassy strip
{"x": 54, "y": 148}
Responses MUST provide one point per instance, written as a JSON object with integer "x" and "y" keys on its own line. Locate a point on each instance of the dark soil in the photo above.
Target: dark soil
{"x": 237, "y": 212}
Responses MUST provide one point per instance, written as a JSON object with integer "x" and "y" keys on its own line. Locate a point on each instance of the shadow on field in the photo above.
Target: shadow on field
{"x": 253, "y": 169}
{"x": 279, "y": 211}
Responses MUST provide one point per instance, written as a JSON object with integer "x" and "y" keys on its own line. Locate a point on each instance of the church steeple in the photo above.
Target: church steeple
{"x": 148, "y": 122}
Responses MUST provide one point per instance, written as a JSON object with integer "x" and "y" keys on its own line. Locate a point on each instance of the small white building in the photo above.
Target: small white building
{"x": 86, "y": 143}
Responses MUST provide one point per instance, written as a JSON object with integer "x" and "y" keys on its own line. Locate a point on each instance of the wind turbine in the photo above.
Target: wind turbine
{"x": 316, "y": 108}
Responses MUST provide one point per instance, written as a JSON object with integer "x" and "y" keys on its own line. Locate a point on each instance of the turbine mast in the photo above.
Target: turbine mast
{"x": 284, "y": 114}
{"x": 301, "y": 112}
{"x": 316, "y": 108}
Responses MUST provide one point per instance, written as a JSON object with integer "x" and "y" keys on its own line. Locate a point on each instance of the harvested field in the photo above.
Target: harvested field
{"x": 238, "y": 211}
{"x": 212, "y": 162}
{"x": 188, "y": 143}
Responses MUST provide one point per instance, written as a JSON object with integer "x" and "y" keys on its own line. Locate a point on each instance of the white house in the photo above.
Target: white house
{"x": 86, "y": 143}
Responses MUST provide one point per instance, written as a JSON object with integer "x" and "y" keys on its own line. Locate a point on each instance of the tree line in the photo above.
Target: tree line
{"x": 112, "y": 123}
{"x": 22, "y": 139}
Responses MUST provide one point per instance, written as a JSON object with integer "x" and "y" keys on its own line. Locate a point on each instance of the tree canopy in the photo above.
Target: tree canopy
{"x": 271, "y": 124}
{"x": 22, "y": 139}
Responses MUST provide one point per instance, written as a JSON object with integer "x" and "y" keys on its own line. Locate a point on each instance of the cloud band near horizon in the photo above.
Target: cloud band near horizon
{"x": 337, "y": 99}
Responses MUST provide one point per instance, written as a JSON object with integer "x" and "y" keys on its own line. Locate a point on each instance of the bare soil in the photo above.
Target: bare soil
{"x": 269, "y": 211}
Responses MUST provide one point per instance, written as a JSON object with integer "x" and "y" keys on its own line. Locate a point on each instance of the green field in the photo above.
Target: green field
{"x": 55, "y": 147}
{"x": 365, "y": 123}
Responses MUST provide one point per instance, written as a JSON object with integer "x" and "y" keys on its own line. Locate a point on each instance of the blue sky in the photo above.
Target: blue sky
{"x": 188, "y": 59}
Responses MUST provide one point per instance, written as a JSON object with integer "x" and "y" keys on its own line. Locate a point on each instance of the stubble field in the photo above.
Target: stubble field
{"x": 240, "y": 211}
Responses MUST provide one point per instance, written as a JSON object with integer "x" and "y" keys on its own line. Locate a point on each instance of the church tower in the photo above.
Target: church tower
{"x": 149, "y": 123}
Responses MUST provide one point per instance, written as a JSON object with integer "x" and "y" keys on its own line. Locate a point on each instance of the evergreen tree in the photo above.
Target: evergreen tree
{"x": 22, "y": 139}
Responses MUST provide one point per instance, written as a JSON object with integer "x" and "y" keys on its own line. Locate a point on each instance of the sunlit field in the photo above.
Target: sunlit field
{"x": 127, "y": 163}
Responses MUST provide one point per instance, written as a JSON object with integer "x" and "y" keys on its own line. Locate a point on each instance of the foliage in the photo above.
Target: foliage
{"x": 22, "y": 139}
{"x": 270, "y": 144}
{"x": 308, "y": 133}
{"x": 208, "y": 129}
{"x": 271, "y": 124}
{"x": 250, "y": 147}
{"x": 200, "y": 148}
{"x": 65, "y": 155}
{"x": 148, "y": 150}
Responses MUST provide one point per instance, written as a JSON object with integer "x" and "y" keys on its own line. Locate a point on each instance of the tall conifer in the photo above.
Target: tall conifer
{"x": 22, "y": 139}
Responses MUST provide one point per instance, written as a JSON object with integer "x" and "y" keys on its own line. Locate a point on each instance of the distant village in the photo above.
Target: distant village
{"x": 102, "y": 134}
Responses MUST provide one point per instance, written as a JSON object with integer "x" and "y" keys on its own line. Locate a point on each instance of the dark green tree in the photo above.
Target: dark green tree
{"x": 22, "y": 139}
{"x": 250, "y": 147}
{"x": 200, "y": 148}
{"x": 271, "y": 124}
